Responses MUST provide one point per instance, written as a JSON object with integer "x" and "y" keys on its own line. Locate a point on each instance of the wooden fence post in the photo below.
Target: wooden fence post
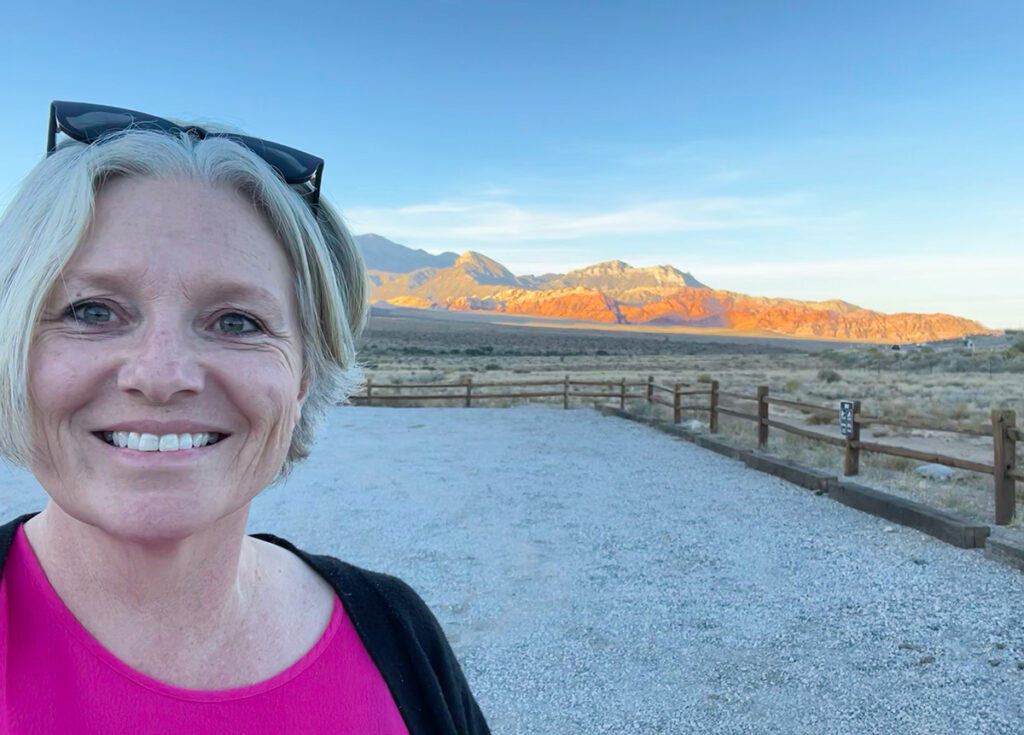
{"x": 713, "y": 415}
{"x": 677, "y": 411}
{"x": 650, "y": 388}
{"x": 565, "y": 393}
{"x": 622, "y": 395}
{"x": 851, "y": 460}
{"x": 469, "y": 390}
{"x": 369, "y": 391}
{"x": 762, "y": 417}
{"x": 1004, "y": 449}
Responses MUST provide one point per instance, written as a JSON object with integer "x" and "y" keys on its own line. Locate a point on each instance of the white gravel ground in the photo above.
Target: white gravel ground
{"x": 596, "y": 576}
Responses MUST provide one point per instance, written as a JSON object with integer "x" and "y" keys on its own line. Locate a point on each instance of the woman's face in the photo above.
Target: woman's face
{"x": 176, "y": 316}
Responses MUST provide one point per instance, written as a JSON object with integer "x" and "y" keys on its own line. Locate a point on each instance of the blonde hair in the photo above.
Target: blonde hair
{"x": 51, "y": 212}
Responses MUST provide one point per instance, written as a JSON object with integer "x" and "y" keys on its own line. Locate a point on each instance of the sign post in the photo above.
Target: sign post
{"x": 849, "y": 426}
{"x": 846, "y": 418}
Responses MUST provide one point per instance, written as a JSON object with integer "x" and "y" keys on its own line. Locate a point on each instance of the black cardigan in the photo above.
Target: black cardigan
{"x": 401, "y": 635}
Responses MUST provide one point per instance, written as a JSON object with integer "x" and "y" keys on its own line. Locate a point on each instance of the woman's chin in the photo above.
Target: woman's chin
{"x": 156, "y": 519}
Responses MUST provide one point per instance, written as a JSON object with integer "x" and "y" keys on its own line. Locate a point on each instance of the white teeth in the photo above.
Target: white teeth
{"x": 159, "y": 443}
{"x": 169, "y": 443}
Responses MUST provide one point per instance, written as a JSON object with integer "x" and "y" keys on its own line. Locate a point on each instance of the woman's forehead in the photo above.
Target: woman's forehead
{"x": 179, "y": 232}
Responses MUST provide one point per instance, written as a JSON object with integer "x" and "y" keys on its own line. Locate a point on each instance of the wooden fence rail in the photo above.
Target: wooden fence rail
{"x": 507, "y": 383}
{"x": 666, "y": 388}
{"x": 737, "y": 396}
{"x": 1003, "y": 430}
{"x": 925, "y": 424}
{"x": 930, "y": 457}
{"x": 806, "y": 433}
{"x": 801, "y": 405}
{"x": 739, "y": 414}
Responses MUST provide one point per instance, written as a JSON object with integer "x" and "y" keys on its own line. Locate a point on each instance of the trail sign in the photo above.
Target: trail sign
{"x": 846, "y": 418}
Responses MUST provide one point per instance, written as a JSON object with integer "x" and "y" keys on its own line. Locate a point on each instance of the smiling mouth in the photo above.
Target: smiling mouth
{"x": 158, "y": 443}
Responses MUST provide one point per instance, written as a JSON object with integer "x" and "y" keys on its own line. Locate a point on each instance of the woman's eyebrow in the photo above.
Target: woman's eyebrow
{"x": 116, "y": 281}
{"x": 237, "y": 291}
{"x": 106, "y": 280}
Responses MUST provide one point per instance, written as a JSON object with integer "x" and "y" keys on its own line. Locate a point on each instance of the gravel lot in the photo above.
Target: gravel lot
{"x": 596, "y": 576}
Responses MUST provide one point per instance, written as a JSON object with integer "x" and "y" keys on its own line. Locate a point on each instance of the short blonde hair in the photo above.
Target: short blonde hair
{"x": 51, "y": 212}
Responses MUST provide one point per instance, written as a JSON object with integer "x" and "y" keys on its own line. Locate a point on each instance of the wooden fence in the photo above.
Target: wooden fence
{"x": 467, "y": 391}
{"x": 706, "y": 397}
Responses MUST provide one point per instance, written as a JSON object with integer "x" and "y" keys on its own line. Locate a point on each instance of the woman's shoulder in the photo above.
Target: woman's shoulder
{"x": 406, "y": 643}
{"x": 359, "y": 588}
{"x": 7, "y": 532}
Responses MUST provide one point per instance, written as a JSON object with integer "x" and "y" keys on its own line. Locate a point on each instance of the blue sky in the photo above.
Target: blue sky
{"x": 869, "y": 151}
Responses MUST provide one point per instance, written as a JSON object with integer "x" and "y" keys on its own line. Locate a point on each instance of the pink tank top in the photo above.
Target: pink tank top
{"x": 55, "y": 677}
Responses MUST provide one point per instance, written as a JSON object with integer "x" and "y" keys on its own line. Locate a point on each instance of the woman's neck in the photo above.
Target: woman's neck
{"x": 177, "y": 605}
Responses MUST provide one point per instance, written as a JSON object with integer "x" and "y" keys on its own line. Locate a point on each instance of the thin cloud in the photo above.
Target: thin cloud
{"x": 496, "y": 221}
{"x": 981, "y": 287}
{"x": 971, "y": 270}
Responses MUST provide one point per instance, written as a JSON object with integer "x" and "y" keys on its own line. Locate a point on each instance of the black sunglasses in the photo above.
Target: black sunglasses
{"x": 87, "y": 123}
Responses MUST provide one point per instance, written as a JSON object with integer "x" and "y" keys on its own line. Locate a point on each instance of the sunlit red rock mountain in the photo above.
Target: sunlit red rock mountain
{"x": 615, "y": 292}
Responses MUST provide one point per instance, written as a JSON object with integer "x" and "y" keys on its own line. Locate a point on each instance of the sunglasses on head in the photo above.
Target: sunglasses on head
{"x": 87, "y": 123}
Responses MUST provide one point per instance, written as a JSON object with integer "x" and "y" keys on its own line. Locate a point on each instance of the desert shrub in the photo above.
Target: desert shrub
{"x": 1015, "y": 365}
{"x": 492, "y": 366}
{"x": 889, "y": 462}
{"x": 601, "y": 353}
{"x": 820, "y": 419}
{"x": 959, "y": 412}
{"x": 900, "y": 408}
{"x": 792, "y": 385}
{"x": 829, "y": 376}
{"x": 704, "y": 378}
{"x": 957, "y": 363}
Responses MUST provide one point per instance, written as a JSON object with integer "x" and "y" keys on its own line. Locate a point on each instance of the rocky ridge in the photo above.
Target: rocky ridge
{"x": 615, "y": 292}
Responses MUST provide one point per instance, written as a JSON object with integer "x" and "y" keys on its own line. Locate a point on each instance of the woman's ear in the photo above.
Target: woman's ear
{"x": 303, "y": 392}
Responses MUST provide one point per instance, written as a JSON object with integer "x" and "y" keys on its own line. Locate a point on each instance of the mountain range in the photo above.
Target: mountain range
{"x": 615, "y": 292}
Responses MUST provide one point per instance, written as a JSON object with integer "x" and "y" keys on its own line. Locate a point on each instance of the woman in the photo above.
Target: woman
{"x": 179, "y": 309}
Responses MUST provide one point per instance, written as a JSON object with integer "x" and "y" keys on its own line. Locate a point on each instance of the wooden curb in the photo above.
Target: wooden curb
{"x": 622, "y": 414}
{"x": 943, "y": 526}
{"x": 717, "y": 445}
{"x": 1005, "y": 550}
{"x": 664, "y": 428}
{"x": 798, "y": 475}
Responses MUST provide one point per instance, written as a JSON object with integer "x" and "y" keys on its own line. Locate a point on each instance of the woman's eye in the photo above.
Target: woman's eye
{"x": 91, "y": 312}
{"x": 237, "y": 324}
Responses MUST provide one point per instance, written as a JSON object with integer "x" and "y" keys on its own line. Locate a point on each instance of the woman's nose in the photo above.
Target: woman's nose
{"x": 160, "y": 365}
